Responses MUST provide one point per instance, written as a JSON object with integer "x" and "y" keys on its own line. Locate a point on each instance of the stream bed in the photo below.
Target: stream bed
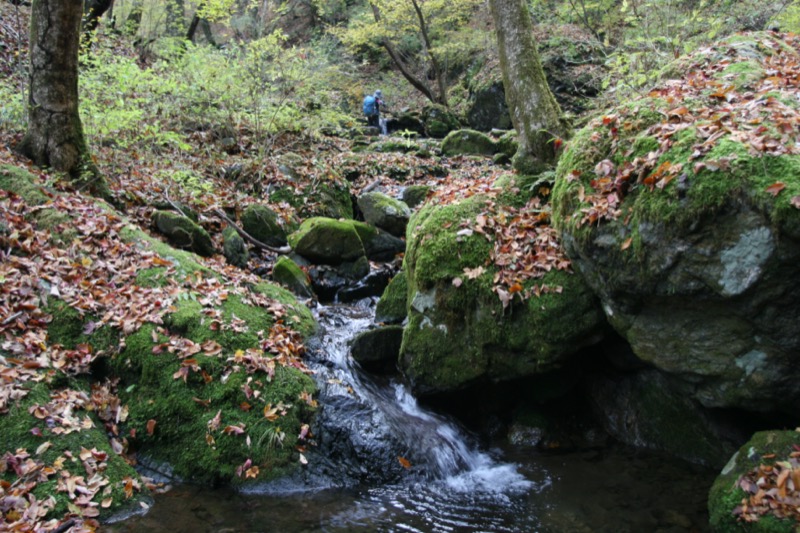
{"x": 435, "y": 477}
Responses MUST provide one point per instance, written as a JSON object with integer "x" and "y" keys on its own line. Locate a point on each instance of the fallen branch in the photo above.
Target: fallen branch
{"x": 249, "y": 238}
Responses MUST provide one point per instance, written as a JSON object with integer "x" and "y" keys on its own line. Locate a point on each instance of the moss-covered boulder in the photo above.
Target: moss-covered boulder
{"x": 439, "y": 121}
{"x": 760, "y": 461}
{"x": 163, "y": 359}
{"x": 234, "y": 248}
{"x": 379, "y": 245}
{"x": 183, "y": 233}
{"x": 392, "y": 306}
{"x": 415, "y": 195}
{"x": 468, "y": 142}
{"x": 263, "y": 224}
{"x": 682, "y": 216}
{"x": 317, "y": 196}
{"x": 459, "y": 331}
{"x": 290, "y": 275}
{"x": 327, "y": 241}
{"x": 384, "y": 212}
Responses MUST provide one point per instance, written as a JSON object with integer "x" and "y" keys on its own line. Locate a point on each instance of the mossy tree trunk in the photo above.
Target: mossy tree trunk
{"x": 55, "y": 135}
{"x": 534, "y": 110}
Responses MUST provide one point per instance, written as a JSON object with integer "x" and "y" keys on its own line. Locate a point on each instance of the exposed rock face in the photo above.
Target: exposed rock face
{"x": 379, "y": 245}
{"x": 488, "y": 109}
{"x": 459, "y": 335}
{"x": 377, "y": 349}
{"x": 646, "y": 411}
{"x": 263, "y": 224}
{"x": 672, "y": 225}
{"x": 384, "y": 212}
{"x": 183, "y": 233}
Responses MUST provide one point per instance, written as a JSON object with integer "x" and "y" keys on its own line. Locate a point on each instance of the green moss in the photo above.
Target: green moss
{"x": 15, "y": 434}
{"x": 287, "y": 273}
{"x": 22, "y": 183}
{"x": 327, "y": 240}
{"x": 297, "y": 316}
{"x": 724, "y": 496}
{"x": 457, "y": 334}
{"x": 182, "y": 409}
{"x": 67, "y": 328}
{"x": 742, "y": 73}
{"x": 392, "y": 307}
{"x": 445, "y": 253}
{"x": 263, "y": 224}
{"x": 465, "y": 142}
{"x": 185, "y": 263}
{"x": 323, "y": 198}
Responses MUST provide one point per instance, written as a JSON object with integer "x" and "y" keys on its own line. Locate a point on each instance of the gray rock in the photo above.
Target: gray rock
{"x": 377, "y": 349}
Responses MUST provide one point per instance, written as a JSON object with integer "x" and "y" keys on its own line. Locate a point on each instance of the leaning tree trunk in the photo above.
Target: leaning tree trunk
{"x": 55, "y": 135}
{"x": 534, "y": 110}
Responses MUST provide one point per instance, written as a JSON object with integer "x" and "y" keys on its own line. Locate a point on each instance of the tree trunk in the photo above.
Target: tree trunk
{"x": 438, "y": 73}
{"x": 92, "y": 11}
{"x": 416, "y": 82}
{"x": 176, "y": 24}
{"x": 534, "y": 110}
{"x": 55, "y": 135}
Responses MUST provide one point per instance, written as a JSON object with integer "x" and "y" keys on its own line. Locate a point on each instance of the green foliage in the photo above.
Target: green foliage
{"x": 398, "y": 23}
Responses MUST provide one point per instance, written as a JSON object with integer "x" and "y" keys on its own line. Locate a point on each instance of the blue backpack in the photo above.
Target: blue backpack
{"x": 370, "y": 106}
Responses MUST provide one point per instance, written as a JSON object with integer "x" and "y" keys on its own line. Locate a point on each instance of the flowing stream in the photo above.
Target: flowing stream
{"x": 438, "y": 478}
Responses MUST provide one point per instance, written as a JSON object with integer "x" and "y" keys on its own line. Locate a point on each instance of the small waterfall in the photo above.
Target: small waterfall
{"x": 429, "y": 447}
{"x": 382, "y": 125}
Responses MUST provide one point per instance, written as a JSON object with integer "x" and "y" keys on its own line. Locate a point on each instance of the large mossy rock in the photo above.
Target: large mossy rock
{"x": 263, "y": 224}
{"x": 764, "y": 449}
{"x": 439, "y": 121}
{"x": 327, "y": 241}
{"x": 192, "y": 400}
{"x": 468, "y": 142}
{"x": 317, "y": 196}
{"x": 163, "y": 359}
{"x": 183, "y": 233}
{"x": 385, "y": 212}
{"x": 679, "y": 210}
{"x": 459, "y": 333}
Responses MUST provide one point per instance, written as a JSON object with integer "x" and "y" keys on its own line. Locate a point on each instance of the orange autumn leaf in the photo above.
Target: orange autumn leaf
{"x": 151, "y": 426}
{"x": 404, "y": 462}
{"x": 775, "y": 188}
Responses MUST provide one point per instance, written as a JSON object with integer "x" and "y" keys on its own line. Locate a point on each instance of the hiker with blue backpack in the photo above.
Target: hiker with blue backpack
{"x": 372, "y": 108}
